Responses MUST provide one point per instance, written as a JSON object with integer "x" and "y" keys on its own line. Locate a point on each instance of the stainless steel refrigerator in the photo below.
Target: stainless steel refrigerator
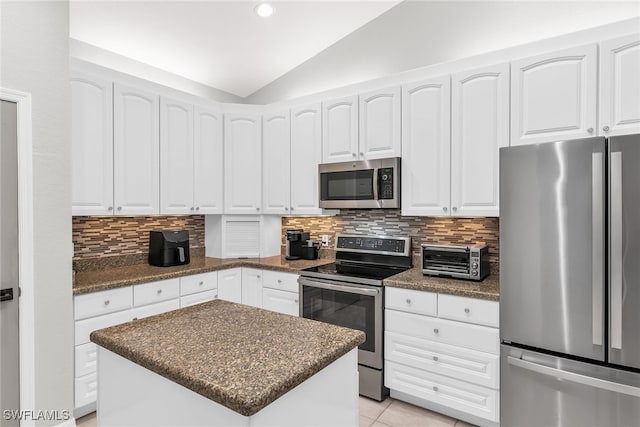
{"x": 570, "y": 283}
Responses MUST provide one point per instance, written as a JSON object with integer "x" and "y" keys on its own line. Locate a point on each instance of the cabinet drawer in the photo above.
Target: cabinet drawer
{"x": 86, "y": 357}
{"x": 86, "y": 389}
{"x": 153, "y": 292}
{"x": 280, "y": 301}
{"x": 198, "y": 283}
{"x": 472, "y": 399}
{"x": 104, "y": 302}
{"x": 281, "y": 281}
{"x": 457, "y": 362}
{"x": 193, "y": 299}
{"x": 465, "y": 335}
{"x": 153, "y": 309}
{"x": 471, "y": 310}
{"x": 411, "y": 301}
{"x": 86, "y": 326}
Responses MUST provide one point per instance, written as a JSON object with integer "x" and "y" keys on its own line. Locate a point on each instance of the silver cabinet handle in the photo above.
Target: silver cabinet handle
{"x": 258, "y": 276}
{"x": 436, "y": 331}
{"x": 444, "y": 208}
{"x": 435, "y": 388}
{"x": 353, "y": 154}
{"x": 361, "y": 154}
{"x": 295, "y": 300}
{"x": 257, "y": 209}
{"x": 192, "y": 208}
{"x": 119, "y": 208}
{"x": 197, "y": 208}
{"x": 616, "y": 249}
{"x": 215, "y": 296}
{"x": 291, "y": 207}
{"x": 279, "y": 281}
{"x": 466, "y": 310}
{"x": 597, "y": 256}
{"x": 590, "y": 130}
{"x": 286, "y": 208}
{"x": 159, "y": 291}
{"x": 135, "y": 318}
{"x": 605, "y": 128}
{"x": 435, "y": 358}
{"x": 573, "y": 377}
{"x": 201, "y": 283}
{"x": 107, "y": 302}
{"x": 408, "y": 301}
{"x": 110, "y": 208}
{"x": 455, "y": 209}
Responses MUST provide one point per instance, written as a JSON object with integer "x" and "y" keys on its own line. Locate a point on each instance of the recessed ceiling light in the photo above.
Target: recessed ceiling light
{"x": 264, "y": 10}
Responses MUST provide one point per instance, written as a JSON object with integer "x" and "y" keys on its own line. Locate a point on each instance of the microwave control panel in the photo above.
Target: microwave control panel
{"x": 385, "y": 183}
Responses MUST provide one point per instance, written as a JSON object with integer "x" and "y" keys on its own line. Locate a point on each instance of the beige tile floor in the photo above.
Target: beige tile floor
{"x": 390, "y": 413}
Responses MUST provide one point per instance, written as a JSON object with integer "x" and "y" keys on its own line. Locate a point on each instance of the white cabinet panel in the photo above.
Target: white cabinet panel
{"x": 380, "y": 124}
{"x": 242, "y": 160}
{"x": 462, "y": 396}
{"x": 103, "y": 302}
{"x": 136, "y": 151}
{"x": 553, "y": 96}
{"x": 176, "y": 157}
{"x": 426, "y": 145}
{"x": 620, "y": 86}
{"x": 456, "y": 362}
{"x": 91, "y": 145}
{"x": 276, "y": 182}
{"x": 154, "y": 292}
{"x": 198, "y": 283}
{"x": 230, "y": 285}
{"x": 340, "y": 129}
{"x": 280, "y": 281}
{"x": 480, "y": 126}
{"x": 306, "y": 154}
{"x": 208, "y": 160}
{"x": 471, "y": 310}
{"x": 252, "y": 287}
{"x": 280, "y": 301}
{"x": 411, "y": 301}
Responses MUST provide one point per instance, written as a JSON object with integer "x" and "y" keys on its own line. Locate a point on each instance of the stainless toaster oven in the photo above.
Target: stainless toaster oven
{"x": 460, "y": 262}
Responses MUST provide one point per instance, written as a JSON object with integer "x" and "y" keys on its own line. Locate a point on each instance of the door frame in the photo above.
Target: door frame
{"x": 26, "y": 307}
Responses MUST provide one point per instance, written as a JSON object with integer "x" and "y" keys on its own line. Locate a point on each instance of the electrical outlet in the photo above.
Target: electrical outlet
{"x": 325, "y": 240}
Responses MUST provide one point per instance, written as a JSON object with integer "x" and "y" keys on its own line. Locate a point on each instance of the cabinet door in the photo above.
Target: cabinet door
{"x": 380, "y": 124}
{"x": 426, "y": 143}
{"x": 242, "y": 160}
{"x": 480, "y": 126}
{"x": 276, "y": 163}
{"x": 620, "y": 86}
{"x": 280, "y": 301}
{"x": 553, "y": 96}
{"x": 176, "y": 157}
{"x": 252, "y": 287}
{"x": 306, "y": 154}
{"x": 340, "y": 129}
{"x": 136, "y": 151}
{"x": 91, "y": 145}
{"x": 230, "y": 285}
{"x": 208, "y": 159}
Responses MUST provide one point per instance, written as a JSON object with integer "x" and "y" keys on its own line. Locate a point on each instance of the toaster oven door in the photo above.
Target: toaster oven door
{"x": 446, "y": 260}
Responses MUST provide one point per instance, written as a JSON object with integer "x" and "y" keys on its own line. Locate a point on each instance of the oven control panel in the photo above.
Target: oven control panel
{"x": 373, "y": 244}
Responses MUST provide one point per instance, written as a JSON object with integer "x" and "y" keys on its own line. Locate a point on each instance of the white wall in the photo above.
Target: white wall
{"x": 420, "y": 33}
{"x": 34, "y": 58}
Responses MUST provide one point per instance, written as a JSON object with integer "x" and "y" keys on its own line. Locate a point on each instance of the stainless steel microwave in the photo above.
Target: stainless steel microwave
{"x": 363, "y": 184}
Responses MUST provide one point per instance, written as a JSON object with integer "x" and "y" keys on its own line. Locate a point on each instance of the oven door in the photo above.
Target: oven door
{"x": 351, "y": 306}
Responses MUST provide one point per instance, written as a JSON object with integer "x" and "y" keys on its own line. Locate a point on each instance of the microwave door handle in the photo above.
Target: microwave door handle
{"x": 376, "y": 183}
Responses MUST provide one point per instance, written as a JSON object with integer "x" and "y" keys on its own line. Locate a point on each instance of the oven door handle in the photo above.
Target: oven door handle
{"x": 342, "y": 288}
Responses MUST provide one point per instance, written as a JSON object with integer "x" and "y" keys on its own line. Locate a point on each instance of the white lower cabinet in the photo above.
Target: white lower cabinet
{"x": 230, "y": 285}
{"x": 252, "y": 287}
{"x": 451, "y": 366}
{"x": 280, "y": 292}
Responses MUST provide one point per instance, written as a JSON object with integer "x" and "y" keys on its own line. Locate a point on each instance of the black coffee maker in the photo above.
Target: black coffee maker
{"x": 296, "y": 238}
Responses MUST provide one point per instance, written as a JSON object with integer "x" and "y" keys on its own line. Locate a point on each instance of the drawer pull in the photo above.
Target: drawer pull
{"x": 215, "y": 296}
{"x": 408, "y": 301}
{"x": 258, "y": 276}
{"x": 466, "y": 310}
{"x": 435, "y": 358}
{"x": 295, "y": 300}
{"x": 159, "y": 291}
{"x": 279, "y": 281}
{"x": 201, "y": 283}
{"x": 107, "y": 302}
{"x": 435, "y": 389}
{"x": 436, "y": 331}
{"x": 135, "y": 318}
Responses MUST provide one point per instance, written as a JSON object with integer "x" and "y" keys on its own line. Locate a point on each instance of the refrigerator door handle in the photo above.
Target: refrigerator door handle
{"x": 597, "y": 247}
{"x": 573, "y": 377}
{"x": 616, "y": 250}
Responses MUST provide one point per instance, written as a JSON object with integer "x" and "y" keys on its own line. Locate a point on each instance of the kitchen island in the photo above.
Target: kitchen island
{"x": 221, "y": 363}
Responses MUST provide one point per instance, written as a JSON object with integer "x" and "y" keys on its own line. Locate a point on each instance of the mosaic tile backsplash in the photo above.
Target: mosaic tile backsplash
{"x": 447, "y": 230}
{"x": 117, "y": 236}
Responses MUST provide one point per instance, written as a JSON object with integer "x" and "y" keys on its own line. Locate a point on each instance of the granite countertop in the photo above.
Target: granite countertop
{"x": 239, "y": 356}
{"x": 109, "y": 278}
{"x": 488, "y": 289}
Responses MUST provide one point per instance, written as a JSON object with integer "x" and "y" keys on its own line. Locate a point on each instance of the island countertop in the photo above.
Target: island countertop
{"x": 238, "y": 356}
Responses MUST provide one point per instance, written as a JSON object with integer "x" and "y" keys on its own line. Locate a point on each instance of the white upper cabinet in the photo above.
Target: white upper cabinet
{"x": 242, "y": 160}
{"x": 340, "y": 129}
{"x": 306, "y": 154}
{"x": 553, "y": 96}
{"x": 426, "y": 142}
{"x": 92, "y": 145}
{"x": 208, "y": 160}
{"x": 276, "y": 141}
{"x": 176, "y": 157}
{"x": 136, "y": 151}
{"x": 380, "y": 124}
{"x": 479, "y": 127}
{"x": 620, "y": 86}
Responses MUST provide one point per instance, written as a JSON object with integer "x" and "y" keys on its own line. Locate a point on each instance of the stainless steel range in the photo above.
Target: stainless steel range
{"x": 349, "y": 293}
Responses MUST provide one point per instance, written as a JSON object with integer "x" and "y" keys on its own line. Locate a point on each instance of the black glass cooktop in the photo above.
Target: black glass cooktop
{"x": 369, "y": 271}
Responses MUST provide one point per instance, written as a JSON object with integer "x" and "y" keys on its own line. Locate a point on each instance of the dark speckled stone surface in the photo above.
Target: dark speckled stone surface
{"x": 488, "y": 289}
{"x": 239, "y": 356}
{"x": 109, "y": 278}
